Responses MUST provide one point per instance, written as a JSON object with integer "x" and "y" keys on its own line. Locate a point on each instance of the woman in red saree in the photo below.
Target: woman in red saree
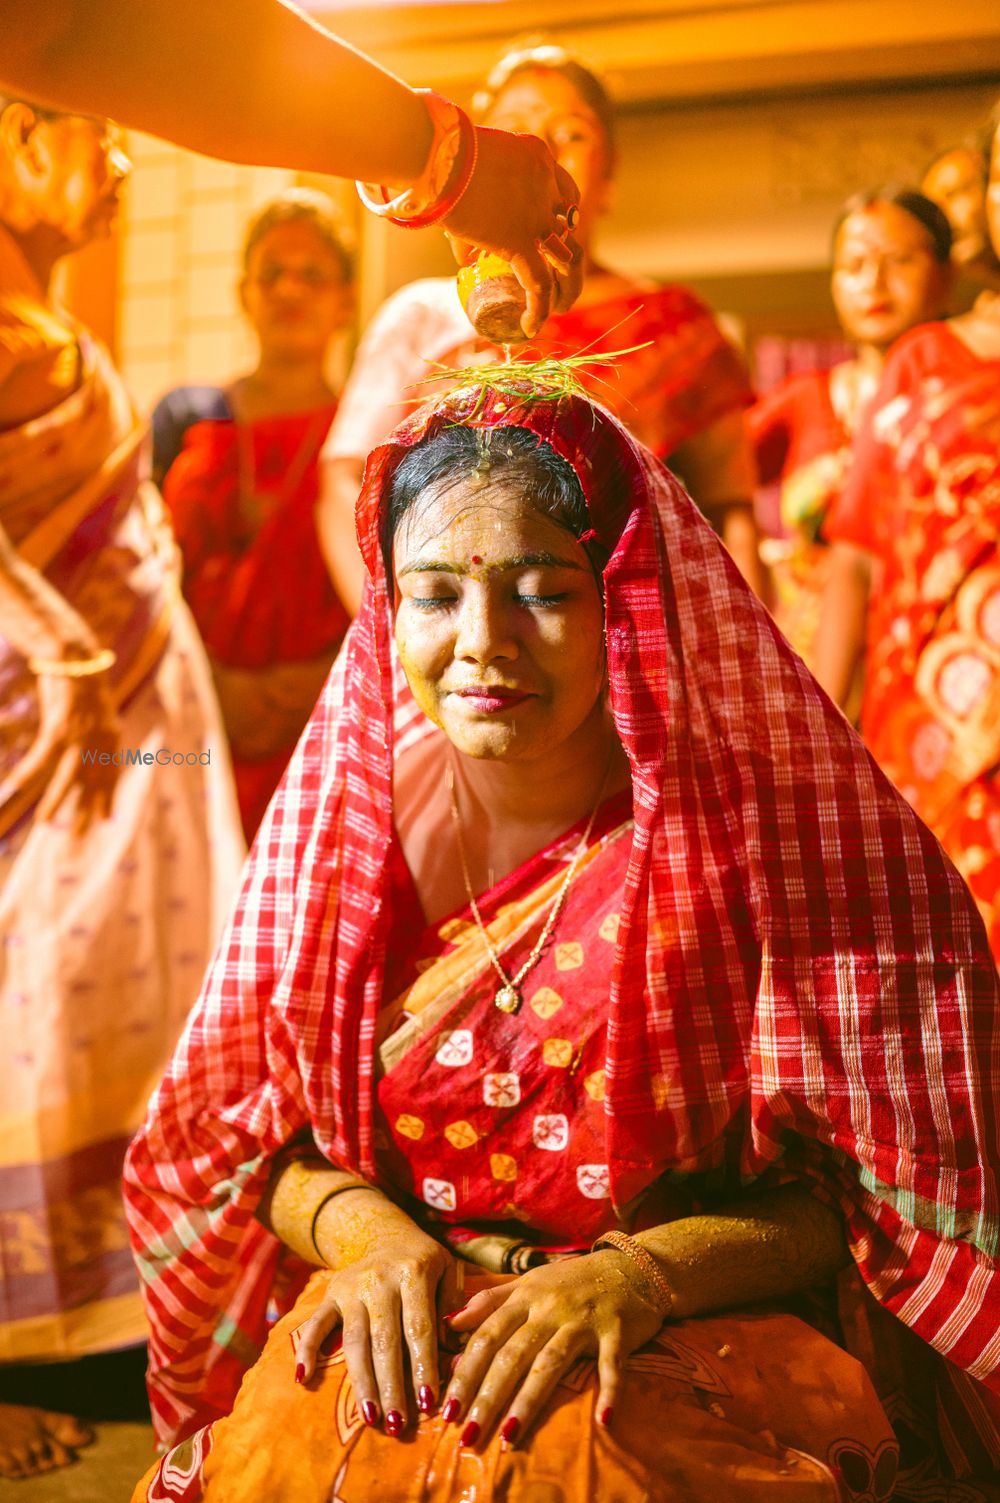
{"x": 238, "y": 469}
{"x": 917, "y": 582}
{"x": 683, "y": 394}
{"x": 751, "y": 1028}
{"x": 891, "y": 253}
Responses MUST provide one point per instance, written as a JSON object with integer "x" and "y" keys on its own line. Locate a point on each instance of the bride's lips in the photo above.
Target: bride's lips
{"x": 489, "y": 699}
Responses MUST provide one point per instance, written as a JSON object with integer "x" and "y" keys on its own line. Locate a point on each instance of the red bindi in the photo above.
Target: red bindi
{"x": 476, "y": 559}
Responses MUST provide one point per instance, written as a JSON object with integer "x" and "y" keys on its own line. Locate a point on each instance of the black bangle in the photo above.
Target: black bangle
{"x": 358, "y": 1184}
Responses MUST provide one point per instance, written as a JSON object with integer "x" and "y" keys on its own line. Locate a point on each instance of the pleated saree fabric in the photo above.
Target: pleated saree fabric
{"x": 801, "y": 983}
{"x": 105, "y": 933}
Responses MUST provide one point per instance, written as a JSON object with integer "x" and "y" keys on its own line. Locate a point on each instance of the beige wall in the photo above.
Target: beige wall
{"x": 753, "y": 187}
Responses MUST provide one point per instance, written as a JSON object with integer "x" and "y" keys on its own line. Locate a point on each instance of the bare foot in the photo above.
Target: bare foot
{"x": 38, "y": 1440}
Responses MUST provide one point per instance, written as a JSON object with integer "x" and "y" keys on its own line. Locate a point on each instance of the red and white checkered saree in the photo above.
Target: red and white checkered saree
{"x": 801, "y": 978}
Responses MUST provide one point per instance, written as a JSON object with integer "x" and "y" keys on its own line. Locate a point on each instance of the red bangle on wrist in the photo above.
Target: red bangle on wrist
{"x": 465, "y": 166}
{"x": 444, "y": 180}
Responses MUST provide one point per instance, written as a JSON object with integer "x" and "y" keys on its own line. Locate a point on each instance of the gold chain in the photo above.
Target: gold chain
{"x": 254, "y": 505}
{"x": 73, "y": 667}
{"x": 508, "y": 998}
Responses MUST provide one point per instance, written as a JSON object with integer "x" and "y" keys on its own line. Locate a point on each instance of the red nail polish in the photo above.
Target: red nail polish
{"x": 425, "y": 1399}
{"x": 510, "y": 1429}
{"x": 607, "y": 1417}
{"x": 394, "y": 1422}
{"x": 470, "y": 1434}
{"x": 369, "y": 1412}
{"x": 455, "y": 1314}
{"x": 451, "y": 1411}
{"x": 300, "y": 1371}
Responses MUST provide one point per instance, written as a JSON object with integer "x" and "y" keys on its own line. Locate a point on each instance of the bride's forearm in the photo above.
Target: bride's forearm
{"x": 766, "y": 1246}
{"x": 327, "y": 1215}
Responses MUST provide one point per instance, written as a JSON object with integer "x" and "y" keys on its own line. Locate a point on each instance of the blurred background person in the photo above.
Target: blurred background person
{"x": 239, "y": 475}
{"x": 956, "y": 180}
{"x": 112, "y": 887}
{"x": 683, "y": 396}
{"x": 890, "y": 272}
{"x": 915, "y": 580}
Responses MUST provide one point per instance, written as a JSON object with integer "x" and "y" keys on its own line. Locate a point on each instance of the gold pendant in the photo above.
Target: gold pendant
{"x": 508, "y": 999}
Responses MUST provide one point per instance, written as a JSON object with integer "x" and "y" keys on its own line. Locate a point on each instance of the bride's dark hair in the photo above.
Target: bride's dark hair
{"x": 509, "y": 460}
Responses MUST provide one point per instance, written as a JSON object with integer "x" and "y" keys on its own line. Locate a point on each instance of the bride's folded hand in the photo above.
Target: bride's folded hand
{"x": 524, "y": 1336}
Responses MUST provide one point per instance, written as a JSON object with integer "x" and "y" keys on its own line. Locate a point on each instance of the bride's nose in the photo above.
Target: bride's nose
{"x": 485, "y": 629}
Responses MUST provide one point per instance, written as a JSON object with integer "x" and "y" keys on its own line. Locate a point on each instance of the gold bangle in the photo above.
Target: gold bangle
{"x": 74, "y": 667}
{"x": 622, "y": 1242}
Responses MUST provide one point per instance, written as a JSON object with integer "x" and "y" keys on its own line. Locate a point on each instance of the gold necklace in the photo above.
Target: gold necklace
{"x": 508, "y": 997}
{"x": 254, "y": 505}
